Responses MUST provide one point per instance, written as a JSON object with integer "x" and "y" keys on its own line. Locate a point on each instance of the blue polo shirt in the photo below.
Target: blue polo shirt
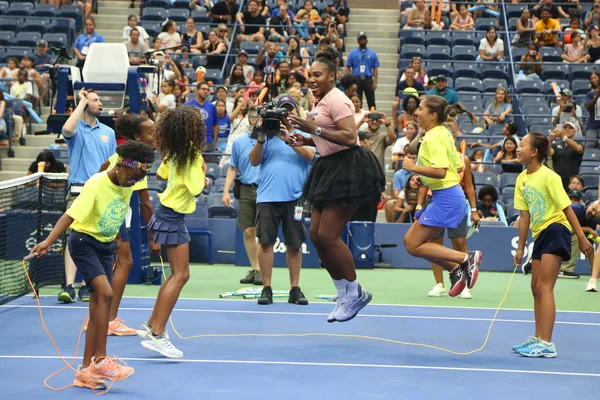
{"x": 400, "y": 178}
{"x": 362, "y": 62}
{"x": 449, "y": 94}
{"x": 240, "y": 159}
{"x": 83, "y": 42}
{"x": 209, "y": 114}
{"x": 88, "y": 149}
{"x": 40, "y": 61}
{"x": 282, "y": 173}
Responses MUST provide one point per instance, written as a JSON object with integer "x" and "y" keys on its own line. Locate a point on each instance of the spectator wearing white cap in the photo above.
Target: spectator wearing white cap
{"x": 567, "y": 109}
{"x": 566, "y": 153}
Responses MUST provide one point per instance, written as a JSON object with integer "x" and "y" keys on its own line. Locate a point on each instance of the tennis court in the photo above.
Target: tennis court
{"x": 323, "y": 366}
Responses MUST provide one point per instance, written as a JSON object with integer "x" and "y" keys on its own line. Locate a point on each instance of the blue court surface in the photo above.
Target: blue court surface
{"x": 312, "y": 367}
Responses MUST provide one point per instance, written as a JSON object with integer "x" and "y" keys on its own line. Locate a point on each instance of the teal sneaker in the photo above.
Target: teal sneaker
{"x": 527, "y": 342}
{"x": 538, "y": 349}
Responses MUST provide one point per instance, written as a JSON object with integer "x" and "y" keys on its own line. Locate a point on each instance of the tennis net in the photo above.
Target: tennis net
{"x": 29, "y": 209}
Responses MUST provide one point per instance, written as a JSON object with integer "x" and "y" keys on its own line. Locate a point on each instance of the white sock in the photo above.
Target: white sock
{"x": 593, "y": 280}
{"x": 353, "y": 288}
{"x": 546, "y": 343}
{"x": 340, "y": 286}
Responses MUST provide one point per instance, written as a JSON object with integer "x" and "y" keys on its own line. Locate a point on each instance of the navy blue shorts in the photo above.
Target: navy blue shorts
{"x": 555, "y": 239}
{"x": 124, "y": 233}
{"x": 91, "y": 257}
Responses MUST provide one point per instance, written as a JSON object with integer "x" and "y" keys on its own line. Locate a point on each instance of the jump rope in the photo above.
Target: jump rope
{"x": 69, "y": 365}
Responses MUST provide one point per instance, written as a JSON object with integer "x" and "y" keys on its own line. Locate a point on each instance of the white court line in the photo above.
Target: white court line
{"x": 309, "y": 314}
{"x": 371, "y": 304}
{"x": 328, "y": 364}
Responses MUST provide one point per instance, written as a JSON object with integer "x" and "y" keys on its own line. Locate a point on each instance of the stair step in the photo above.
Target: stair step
{"x": 16, "y": 165}
{"x": 8, "y": 175}
{"x": 29, "y": 152}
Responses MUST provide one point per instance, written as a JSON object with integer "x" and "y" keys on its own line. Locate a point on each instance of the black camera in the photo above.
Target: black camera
{"x": 271, "y": 117}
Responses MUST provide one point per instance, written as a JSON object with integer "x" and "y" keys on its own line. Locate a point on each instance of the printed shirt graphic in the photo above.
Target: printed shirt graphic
{"x": 438, "y": 151}
{"x": 100, "y": 209}
{"x": 140, "y": 185}
{"x": 182, "y": 186}
{"x": 543, "y": 195}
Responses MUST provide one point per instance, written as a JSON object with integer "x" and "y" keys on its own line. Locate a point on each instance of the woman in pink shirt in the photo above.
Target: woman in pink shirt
{"x": 344, "y": 176}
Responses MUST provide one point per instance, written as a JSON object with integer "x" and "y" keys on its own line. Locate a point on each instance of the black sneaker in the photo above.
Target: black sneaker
{"x": 457, "y": 281}
{"x": 266, "y": 296}
{"x": 67, "y": 295}
{"x": 568, "y": 275}
{"x": 258, "y": 278}
{"x": 526, "y": 268}
{"x": 249, "y": 278}
{"x": 84, "y": 293}
{"x": 297, "y": 297}
{"x": 471, "y": 268}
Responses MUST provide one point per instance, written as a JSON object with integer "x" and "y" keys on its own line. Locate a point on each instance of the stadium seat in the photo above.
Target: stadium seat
{"x": 469, "y": 96}
{"x": 20, "y": 9}
{"x": 213, "y": 75}
{"x": 40, "y": 26}
{"x": 513, "y": 10}
{"x": 542, "y": 128}
{"x": 200, "y": 16}
{"x": 581, "y": 71}
{"x": 19, "y": 52}
{"x": 589, "y": 169}
{"x": 467, "y": 84}
{"x": 251, "y": 47}
{"x": 212, "y": 170}
{"x": 541, "y": 120}
{"x": 437, "y": 52}
{"x": 560, "y": 83}
{"x": 464, "y": 38}
{"x": 580, "y": 86}
{"x": 56, "y": 39}
{"x": 554, "y": 71}
{"x": 3, "y": 7}
{"x": 311, "y": 48}
{"x": 473, "y": 106}
{"x": 518, "y": 52}
{"x": 412, "y": 37}
{"x": 216, "y": 209}
{"x": 508, "y": 180}
{"x": 224, "y": 170}
{"x": 491, "y": 84}
{"x": 591, "y": 194}
{"x": 441, "y": 38}
{"x": 165, "y": 4}
{"x": 154, "y": 14}
{"x": 529, "y": 86}
{"x": 508, "y": 194}
{"x": 466, "y": 70}
{"x": 45, "y": 10}
{"x": 493, "y": 70}
{"x": 466, "y": 53}
{"x": 63, "y": 25}
{"x": 535, "y": 108}
{"x": 511, "y": 212}
{"x": 7, "y": 38}
{"x": 496, "y": 129}
{"x": 74, "y": 12}
{"x": 488, "y": 97}
{"x": 409, "y": 51}
{"x": 485, "y": 178}
{"x": 482, "y": 24}
{"x": 8, "y": 24}
{"x": 156, "y": 184}
{"x": 551, "y": 54}
{"x": 180, "y": 4}
{"x": 178, "y": 15}
{"x": 439, "y": 68}
{"x": 591, "y": 155}
{"x": 197, "y": 224}
{"x": 28, "y": 39}
{"x": 151, "y": 27}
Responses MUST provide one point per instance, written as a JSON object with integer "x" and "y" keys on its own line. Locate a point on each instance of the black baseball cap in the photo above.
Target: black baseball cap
{"x": 283, "y": 100}
{"x": 441, "y": 77}
{"x": 362, "y": 135}
{"x": 576, "y": 193}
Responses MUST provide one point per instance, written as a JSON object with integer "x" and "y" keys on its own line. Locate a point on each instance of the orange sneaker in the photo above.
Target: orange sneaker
{"x": 84, "y": 379}
{"x": 118, "y": 328}
{"x": 108, "y": 369}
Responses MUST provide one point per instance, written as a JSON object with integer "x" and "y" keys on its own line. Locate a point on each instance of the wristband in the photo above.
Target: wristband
{"x": 418, "y": 207}
{"x": 473, "y": 209}
{"x": 258, "y": 141}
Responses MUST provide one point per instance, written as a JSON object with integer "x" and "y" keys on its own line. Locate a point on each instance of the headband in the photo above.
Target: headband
{"x": 126, "y": 162}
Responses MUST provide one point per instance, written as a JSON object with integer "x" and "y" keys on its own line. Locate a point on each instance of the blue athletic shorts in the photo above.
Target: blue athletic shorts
{"x": 447, "y": 208}
{"x": 124, "y": 233}
{"x": 91, "y": 257}
{"x": 555, "y": 239}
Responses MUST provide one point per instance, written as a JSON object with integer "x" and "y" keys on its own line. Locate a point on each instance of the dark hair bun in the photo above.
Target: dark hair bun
{"x": 328, "y": 53}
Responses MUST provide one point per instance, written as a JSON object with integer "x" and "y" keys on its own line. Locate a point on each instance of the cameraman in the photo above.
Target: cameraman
{"x": 567, "y": 109}
{"x": 283, "y": 170}
{"x": 566, "y": 153}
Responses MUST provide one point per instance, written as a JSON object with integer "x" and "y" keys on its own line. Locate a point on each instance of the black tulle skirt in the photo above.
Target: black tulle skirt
{"x": 346, "y": 177}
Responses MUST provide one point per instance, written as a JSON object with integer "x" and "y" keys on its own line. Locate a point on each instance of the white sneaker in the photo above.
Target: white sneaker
{"x": 144, "y": 331}
{"x": 438, "y": 290}
{"x": 465, "y": 294}
{"x": 331, "y": 317}
{"x": 591, "y": 286}
{"x": 350, "y": 306}
{"x": 162, "y": 345}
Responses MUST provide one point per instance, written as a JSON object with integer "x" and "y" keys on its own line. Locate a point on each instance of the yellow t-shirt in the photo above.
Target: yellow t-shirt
{"x": 438, "y": 151}
{"x": 100, "y": 208}
{"x": 140, "y": 185}
{"x": 551, "y": 25}
{"x": 543, "y": 195}
{"x": 183, "y": 186}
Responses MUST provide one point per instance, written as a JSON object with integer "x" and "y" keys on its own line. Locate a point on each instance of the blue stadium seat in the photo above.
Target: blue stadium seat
{"x": 542, "y": 128}
{"x": 435, "y": 68}
{"x": 437, "y": 52}
{"x": 45, "y": 10}
{"x": 529, "y": 86}
{"x": 508, "y": 180}
{"x": 533, "y": 98}
{"x": 165, "y": 4}
{"x": 589, "y": 169}
{"x": 224, "y": 170}
{"x": 464, "y": 38}
{"x": 591, "y": 194}
{"x": 483, "y": 23}
{"x": 216, "y": 209}
{"x": 518, "y": 52}
{"x": 153, "y": 28}
{"x": 19, "y": 52}
{"x": 200, "y": 16}
{"x": 412, "y": 37}
{"x": 467, "y": 84}
{"x": 63, "y": 25}
{"x": 56, "y": 39}
{"x": 488, "y": 97}
{"x": 511, "y": 212}
{"x": 178, "y": 15}
{"x": 476, "y": 107}
{"x": 508, "y": 194}
{"x": 551, "y": 54}
{"x": 491, "y": 84}
{"x": 496, "y": 130}
{"x": 513, "y": 10}
{"x": 466, "y": 70}
{"x": 581, "y": 71}
{"x": 541, "y": 120}
{"x": 154, "y": 14}
{"x": 311, "y": 48}
{"x": 561, "y": 83}
{"x": 493, "y": 70}
{"x": 251, "y": 47}
{"x": 467, "y": 53}
{"x": 28, "y": 39}
{"x": 180, "y": 4}
{"x": 469, "y": 96}
{"x": 3, "y": 7}
{"x": 441, "y": 38}
{"x": 591, "y": 155}
{"x": 8, "y": 24}
{"x": 411, "y": 50}
{"x": 212, "y": 170}
{"x": 213, "y": 75}
{"x": 535, "y": 108}
{"x": 197, "y": 224}
{"x": 591, "y": 181}
{"x": 7, "y": 38}
{"x": 485, "y": 178}
{"x": 554, "y": 71}
{"x": 580, "y": 86}
{"x": 20, "y": 9}
{"x": 73, "y": 12}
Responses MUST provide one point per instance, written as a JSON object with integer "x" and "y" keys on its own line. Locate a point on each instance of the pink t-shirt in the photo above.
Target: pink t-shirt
{"x": 330, "y": 109}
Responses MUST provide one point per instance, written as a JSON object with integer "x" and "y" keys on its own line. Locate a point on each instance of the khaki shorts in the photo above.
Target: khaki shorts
{"x": 247, "y": 207}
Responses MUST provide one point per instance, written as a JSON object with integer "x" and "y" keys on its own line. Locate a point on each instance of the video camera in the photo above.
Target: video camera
{"x": 271, "y": 117}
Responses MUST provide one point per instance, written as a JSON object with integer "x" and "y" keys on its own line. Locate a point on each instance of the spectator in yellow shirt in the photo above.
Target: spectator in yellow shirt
{"x": 547, "y": 30}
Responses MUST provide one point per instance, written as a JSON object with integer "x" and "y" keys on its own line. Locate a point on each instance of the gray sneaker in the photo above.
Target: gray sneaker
{"x": 352, "y": 305}
{"x": 258, "y": 278}
{"x": 144, "y": 331}
{"x": 249, "y": 278}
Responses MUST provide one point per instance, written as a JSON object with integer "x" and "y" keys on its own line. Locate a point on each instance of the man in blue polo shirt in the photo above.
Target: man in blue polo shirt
{"x": 364, "y": 64}
{"x": 283, "y": 170}
{"x": 245, "y": 192}
{"x": 442, "y": 89}
{"x": 209, "y": 113}
{"x": 90, "y": 144}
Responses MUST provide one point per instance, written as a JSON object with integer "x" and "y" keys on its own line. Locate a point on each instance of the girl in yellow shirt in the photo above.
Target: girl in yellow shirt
{"x": 179, "y": 138}
{"x": 546, "y": 208}
{"x": 438, "y": 165}
{"x": 95, "y": 218}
